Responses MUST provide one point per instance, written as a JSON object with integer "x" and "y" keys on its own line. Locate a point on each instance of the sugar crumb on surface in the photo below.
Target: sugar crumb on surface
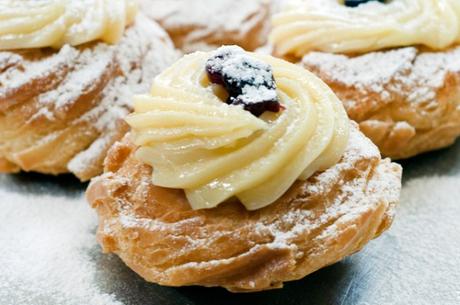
{"x": 45, "y": 244}
{"x": 420, "y": 255}
{"x": 48, "y": 260}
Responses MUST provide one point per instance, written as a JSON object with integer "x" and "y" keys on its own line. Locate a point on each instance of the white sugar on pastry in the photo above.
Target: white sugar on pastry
{"x": 406, "y": 99}
{"x": 346, "y": 206}
{"x": 206, "y": 24}
{"x": 373, "y": 72}
{"x": 91, "y": 86}
{"x": 16, "y": 77}
{"x": 90, "y": 65}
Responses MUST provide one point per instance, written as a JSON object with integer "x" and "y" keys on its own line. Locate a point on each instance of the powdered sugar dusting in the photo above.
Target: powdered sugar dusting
{"x": 350, "y": 202}
{"x": 45, "y": 242}
{"x": 255, "y": 94}
{"x": 89, "y": 67}
{"x": 421, "y": 251}
{"x": 117, "y": 97}
{"x": 253, "y": 76}
{"x": 13, "y": 79}
{"x": 101, "y": 78}
{"x": 413, "y": 263}
{"x": 388, "y": 73}
{"x": 8, "y": 60}
{"x": 92, "y": 154}
{"x": 210, "y": 20}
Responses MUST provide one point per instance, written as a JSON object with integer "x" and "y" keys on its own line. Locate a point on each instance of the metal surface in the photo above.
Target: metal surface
{"x": 379, "y": 275}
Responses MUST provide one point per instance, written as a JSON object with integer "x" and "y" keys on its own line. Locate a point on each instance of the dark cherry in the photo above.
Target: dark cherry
{"x": 256, "y": 109}
{"x": 248, "y": 81}
{"x": 215, "y": 76}
{"x": 355, "y": 3}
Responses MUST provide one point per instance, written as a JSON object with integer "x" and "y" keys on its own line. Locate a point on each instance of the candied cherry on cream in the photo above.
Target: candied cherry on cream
{"x": 355, "y": 3}
{"x": 248, "y": 81}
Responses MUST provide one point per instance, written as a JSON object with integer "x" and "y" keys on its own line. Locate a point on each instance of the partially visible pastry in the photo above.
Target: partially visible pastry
{"x": 395, "y": 65}
{"x": 68, "y": 70}
{"x": 364, "y": 26}
{"x": 207, "y": 24}
{"x": 406, "y": 100}
{"x": 241, "y": 171}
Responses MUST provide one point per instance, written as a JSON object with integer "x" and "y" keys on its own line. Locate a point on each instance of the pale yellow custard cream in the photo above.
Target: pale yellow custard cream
{"x": 53, "y": 23}
{"x": 216, "y": 151}
{"x": 330, "y": 26}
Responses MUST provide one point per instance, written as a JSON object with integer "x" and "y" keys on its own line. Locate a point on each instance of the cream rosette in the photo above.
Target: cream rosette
{"x": 330, "y": 26}
{"x": 215, "y": 151}
{"x": 53, "y": 23}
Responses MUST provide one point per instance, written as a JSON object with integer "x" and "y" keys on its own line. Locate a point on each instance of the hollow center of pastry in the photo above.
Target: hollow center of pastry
{"x": 54, "y": 23}
{"x": 216, "y": 151}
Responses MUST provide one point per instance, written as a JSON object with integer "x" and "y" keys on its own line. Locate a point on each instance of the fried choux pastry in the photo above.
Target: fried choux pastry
{"x": 65, "y": 90}
{"x": 395, "y": 65}
{"x": 406, "y": 100}
{"x": 207, "y": 24}
{"x": 241, "y": 171}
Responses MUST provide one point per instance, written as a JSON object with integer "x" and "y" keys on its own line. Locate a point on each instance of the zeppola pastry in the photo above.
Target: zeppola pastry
{"x": 241, "y": 171}
{"x": 394, "y": 64}
{"x": 67, "y": 73}
{"x": 206, "y": 24}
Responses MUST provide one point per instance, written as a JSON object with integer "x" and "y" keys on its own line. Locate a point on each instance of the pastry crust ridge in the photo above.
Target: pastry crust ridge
{"x": 406, "y": 100}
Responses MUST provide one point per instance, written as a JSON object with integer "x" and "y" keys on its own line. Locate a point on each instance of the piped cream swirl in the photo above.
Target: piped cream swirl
{"x": 53, "y": 23}
{"x": 330, "y": 26}
{"x": 214, "y": 151}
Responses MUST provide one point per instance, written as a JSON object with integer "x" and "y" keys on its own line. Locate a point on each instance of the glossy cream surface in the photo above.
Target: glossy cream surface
{"x": 215, "y": 151}
{"x": 330, "y": 26}
{"x": 53, "y": 23}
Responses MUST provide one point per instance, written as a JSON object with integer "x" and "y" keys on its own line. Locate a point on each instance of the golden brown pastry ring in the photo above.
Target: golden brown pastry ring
{"x": 207, "y": 24}
{"x": 406, "y": 100}
{"x": 315, "y": 224}
{"x": 61, "y": 110}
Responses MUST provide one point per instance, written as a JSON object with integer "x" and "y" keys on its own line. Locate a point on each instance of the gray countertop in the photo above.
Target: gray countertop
{"x": 416, "y": 262}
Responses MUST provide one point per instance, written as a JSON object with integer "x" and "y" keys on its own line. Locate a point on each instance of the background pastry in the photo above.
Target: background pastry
{"x": 206, "y": 24}
{"x": 61, "y": 107}
{"x": 405, "y": 98}
{"x": 320, "y": 193}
